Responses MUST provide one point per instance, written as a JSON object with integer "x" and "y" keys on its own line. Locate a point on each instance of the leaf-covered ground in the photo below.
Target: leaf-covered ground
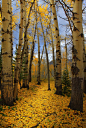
{"x": 40, "y": 108}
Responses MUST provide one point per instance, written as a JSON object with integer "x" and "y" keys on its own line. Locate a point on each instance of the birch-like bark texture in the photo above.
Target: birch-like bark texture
{"x": 18, "y": 56}
{"x": 58, "y": 51}
{"x": 76, "y": 101}
{"x": 25, "y": 37}
{"x": 7, "y": 82}
{"x": 84, "y": 61}
{"x": 25, "y": 43}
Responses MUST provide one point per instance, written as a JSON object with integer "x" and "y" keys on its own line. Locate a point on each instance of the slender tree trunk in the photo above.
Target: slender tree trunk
{"x": 53, "y": 54}
{"x": 30, "y": 63}
{"x": 84, "y": 61}
{"x": 66, "y": 52}
{"x": 46, "y": 56}
{"x": 42, "y": 55}
{"x": 76, "y": 101}
{"x": 31, "y": 56}
{"x": 52, "y": 48}
{"x": 25, "y": 32}
{"x": 25, "y": 42}
{"x": 7, "y": 85}
{"x": 30, "y": 75}
{"x": 38, "y": 77}
{"x": 18, "y": 56}
{"x": 26, "y": 66}
{"x": 0, "y": 67}
{"x": 85, "y": 74}
{"x": 20, "y": 69}
{"x": 58, "y": 84}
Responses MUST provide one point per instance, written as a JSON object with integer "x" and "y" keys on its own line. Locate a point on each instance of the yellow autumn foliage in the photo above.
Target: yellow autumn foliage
{"x": 38, "y": 107}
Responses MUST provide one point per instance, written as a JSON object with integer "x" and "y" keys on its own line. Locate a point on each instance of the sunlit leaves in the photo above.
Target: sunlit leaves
{"x": 69, "y": 2}
{"x": 40, "y": 107}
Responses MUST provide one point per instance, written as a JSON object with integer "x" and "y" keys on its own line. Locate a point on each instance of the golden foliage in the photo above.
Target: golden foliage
{"x": 42, "y": 108}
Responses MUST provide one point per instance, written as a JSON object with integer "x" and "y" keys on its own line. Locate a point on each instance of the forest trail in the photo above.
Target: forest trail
{"x": 40, "y": 108}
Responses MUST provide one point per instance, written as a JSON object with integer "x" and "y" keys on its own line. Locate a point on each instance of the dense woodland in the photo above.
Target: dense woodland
{"x": 43, "y": 71}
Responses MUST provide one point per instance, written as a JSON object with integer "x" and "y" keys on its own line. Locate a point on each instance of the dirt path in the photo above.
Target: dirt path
{"x": 40, "y": 108}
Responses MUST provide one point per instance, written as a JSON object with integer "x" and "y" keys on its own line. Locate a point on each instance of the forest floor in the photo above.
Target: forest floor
{"x": 40, "y": 108}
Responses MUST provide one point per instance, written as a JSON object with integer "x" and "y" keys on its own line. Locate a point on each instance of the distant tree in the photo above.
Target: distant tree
{"x": 48, "y": 73}
{"x": 38, "y": 77}
{"x": 31, "y": 57}
{"x": 52, "y": 47}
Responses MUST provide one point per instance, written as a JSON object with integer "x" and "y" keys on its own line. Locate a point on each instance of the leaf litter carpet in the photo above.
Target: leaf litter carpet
{"x": 40, "y": 108}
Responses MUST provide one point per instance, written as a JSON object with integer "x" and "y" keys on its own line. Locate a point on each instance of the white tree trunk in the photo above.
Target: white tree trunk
{"x": 77, "y": 60}
{"x": 58, "y": 51}
{"x": 7, "y": 82}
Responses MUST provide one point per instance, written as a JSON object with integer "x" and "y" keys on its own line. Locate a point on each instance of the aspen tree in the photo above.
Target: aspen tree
{"x": 20, "y": 69}
{"x": 38, "y": 77}
{"x": 66, "y": 52}
{"x": 84, "y": 60}
{"x": 31, "y": 56}
{"x": 76, "y": 101}
{"x": 58, "y": 51}
{"x": 85, "y": 74}
{"x": 25, "y": 37}
{"x": 18, "y": 56}
{"x": 7, "y": 82}
{"x": 46, "y": 55}
{"x": 25, "y": 42}
{"x": 42, "y": 55}
{"x": 52, "y": 47}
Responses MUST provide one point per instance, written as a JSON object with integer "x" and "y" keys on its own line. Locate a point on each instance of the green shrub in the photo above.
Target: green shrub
{"x": 65, "y": 78}
{"x": 66, "y": 83}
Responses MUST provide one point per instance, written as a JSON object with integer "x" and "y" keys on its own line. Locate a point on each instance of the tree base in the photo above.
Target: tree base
{"x": 27, "y": 87}
{"x": 49, "y": 89}
{"x": 2, "y": 102}
{"x": 23, "y": 86}
{"x": 76, "y": 102}
{"x": 59, "y": 90}
{"x": 38, "y": 83}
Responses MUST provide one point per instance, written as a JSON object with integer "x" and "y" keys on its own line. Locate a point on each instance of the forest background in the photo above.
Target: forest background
{"x": 36, "y": 32}
{"x": 43, "y": 41}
